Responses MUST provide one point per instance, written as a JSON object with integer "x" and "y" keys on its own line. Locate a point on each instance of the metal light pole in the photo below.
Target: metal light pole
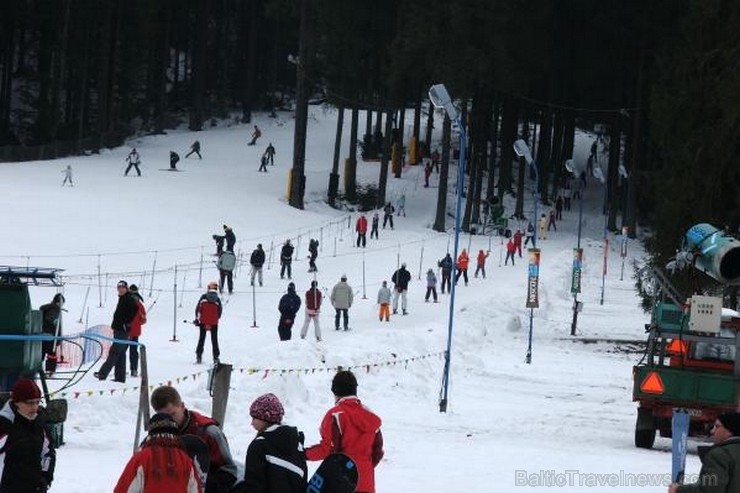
{"x": 605, "y": 210}
{"x": 522, "y": 150}
{"x": 575, "y": 285}
{"x": 440, "y": 98}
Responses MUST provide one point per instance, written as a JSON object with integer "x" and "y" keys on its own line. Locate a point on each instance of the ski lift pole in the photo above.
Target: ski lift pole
{"x": 335, "y": 246}
{"x": 154, "y": 268}
{"x": 200, "y": 269}
{"x": 421, "y": 260}
{"x": 182, "y": 289}
{"x": 321, "y": 236}
{"x": 364, "y": 296}
{"x": 84, "y": 304}
{"x": 174, "y": 308}
{"x": 269, "y": 258}
{"x": 254, "y": 307}
{"x": 100, "y": 285}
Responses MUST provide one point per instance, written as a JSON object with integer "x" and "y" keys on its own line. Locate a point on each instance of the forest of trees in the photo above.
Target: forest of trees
{"x": 660, "y": 76}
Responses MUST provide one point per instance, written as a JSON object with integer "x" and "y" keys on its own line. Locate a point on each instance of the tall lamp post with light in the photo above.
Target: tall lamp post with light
{"x": 440, "y": 98}
{"x": 577, "y": 169}
{"x": 522, "y": 150}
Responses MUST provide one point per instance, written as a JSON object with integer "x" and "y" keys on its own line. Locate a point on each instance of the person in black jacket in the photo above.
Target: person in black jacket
{"x": 286, "y": 259}
{"x": 50, "y": 320}
{"x": 230, "y": 238}
{"x": 313, "y": 249}
{"x": 401, "y": 280}
{"x": 275, "y": 460}
{"x": 257, "y": 260}
{"x": 289, "y": 305}
{"x": 27, "y": 455}
{"x": 194, "y": 149}
{"x": 126, "y": 310}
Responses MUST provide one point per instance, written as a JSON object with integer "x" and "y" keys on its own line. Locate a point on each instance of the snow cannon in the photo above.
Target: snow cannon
{"x": 716, "y": 253}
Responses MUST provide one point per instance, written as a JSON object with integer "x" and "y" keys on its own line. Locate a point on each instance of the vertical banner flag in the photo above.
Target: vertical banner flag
{"x": 575, "y": 282}
{"x": 533, "y": 279}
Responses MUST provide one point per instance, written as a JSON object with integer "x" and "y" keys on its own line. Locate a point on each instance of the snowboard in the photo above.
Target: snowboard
{"x": 169, "y": 169}
{"x": 680, "y": 432}
{"x": 336, "y": 474}
{"x": 198, "y": 451}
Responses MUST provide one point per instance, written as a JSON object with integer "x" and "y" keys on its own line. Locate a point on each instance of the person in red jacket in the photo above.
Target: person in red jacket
{"x": 510, "y": 250}
{"x": 361, "y": 228}
{"x": 313, "y": 305}
{"x": 462, "y": 266}
{"x": 222, "y": 471}
{"x": 161, "y": 464}
{"x": 134, "y": 331}
{"x": 350, "y": 428}
{"x": 207, "y": 313}
{"x": 481, "y": 263}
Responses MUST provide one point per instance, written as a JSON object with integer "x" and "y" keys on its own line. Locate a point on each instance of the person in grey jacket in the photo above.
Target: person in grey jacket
{"x": 225, "y": 264}
{"x": 720, "y": 470}
{"x": 384, "y": 300}
{"x": 341, "y": 300}
{"x": 431, "y": 285}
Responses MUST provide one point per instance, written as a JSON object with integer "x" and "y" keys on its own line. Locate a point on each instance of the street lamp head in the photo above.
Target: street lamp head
{"x": 440, "y": 98}
{"x": 522, "y": 150}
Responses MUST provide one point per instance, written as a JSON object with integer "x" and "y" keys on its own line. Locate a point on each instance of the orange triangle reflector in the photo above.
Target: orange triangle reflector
{"x": 652, "y": 384}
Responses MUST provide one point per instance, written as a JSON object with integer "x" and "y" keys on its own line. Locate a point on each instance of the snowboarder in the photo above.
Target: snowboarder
{"x": 352, "y": 428}
{"x": 225, "y": 265}
{"x": 462, "y": 266}
{"x": 375, "y": 224}
{"x": 427, "y": 173}
{"x": 68, "y": 176}
{"x": 270, "y": 153}
{"x": 400, "y": 280}
{"x": 313, "y": 252}
{"x": 133, "y": 161}
{"x": 286, "y": 259}
{"x": 431, "y": 286}
{"x": 510, "y": 250}
{"x": 361, "y": 228}
{"x": 288, "y": 307}
{"x": 313, "y": 305}
{"x": 219, "y": 239}
{"x": 480, "y": 263}
{"x": 275, "y": 460}
{"x": 341, "y": 299}
{"x": 194, "y": 149}
{"x": 446, "y": 265}
{"x": 543, "y": 226}
{"x": 551, "y": 221}
{"x": 384, "y": 300}
{"x": 207, "y": 314}
{"x": 256, "y": 134}
{"x": 263, "y": 163}
{"x": 567, "y": 194}
{"x": 174, "y": 158}
{"x": 257, "y": 260}
{"x": 435, "y": 160}
{"x": 388, "y": 211}
{"x": 559, "y": 207}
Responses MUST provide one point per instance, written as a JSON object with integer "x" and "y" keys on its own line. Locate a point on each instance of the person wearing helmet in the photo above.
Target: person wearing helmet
{"x": 207, "y": 314}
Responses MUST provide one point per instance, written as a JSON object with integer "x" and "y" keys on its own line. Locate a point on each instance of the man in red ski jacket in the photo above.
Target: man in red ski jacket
{"x": 222, "y": 471}
{"x": 352, "y": 429}
{"x": 361, "y": 228}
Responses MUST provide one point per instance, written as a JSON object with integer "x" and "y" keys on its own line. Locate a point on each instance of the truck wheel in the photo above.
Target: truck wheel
{"x": 644, "y": 429}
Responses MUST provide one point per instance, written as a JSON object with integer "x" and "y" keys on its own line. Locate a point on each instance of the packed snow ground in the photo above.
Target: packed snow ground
{"x": 565, "y": 421}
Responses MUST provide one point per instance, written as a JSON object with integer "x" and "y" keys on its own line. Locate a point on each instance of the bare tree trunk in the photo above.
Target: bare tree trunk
{"x": 298, "y": 177}
{"x": 334, "y": 175}
{"x": 350, "y": 176}
{"x": 385, "y": 158}
{"x": 439, "y": 219}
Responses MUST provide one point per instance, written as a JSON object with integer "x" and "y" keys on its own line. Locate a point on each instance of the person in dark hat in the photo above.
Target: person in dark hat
{"x": 289, "y": 305}
{"x": 350, "y": 428}
{"x": 25, "y": 448}
{"x": 230, "y": 238}
{"x": 126, "y": 310}
{"x": 720, "y": 470}
{"x": 161, "y": 463}
{"x": 51, "y": 323}
{"x": 275, "y": 460}
{"x": 257, "y": 260}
